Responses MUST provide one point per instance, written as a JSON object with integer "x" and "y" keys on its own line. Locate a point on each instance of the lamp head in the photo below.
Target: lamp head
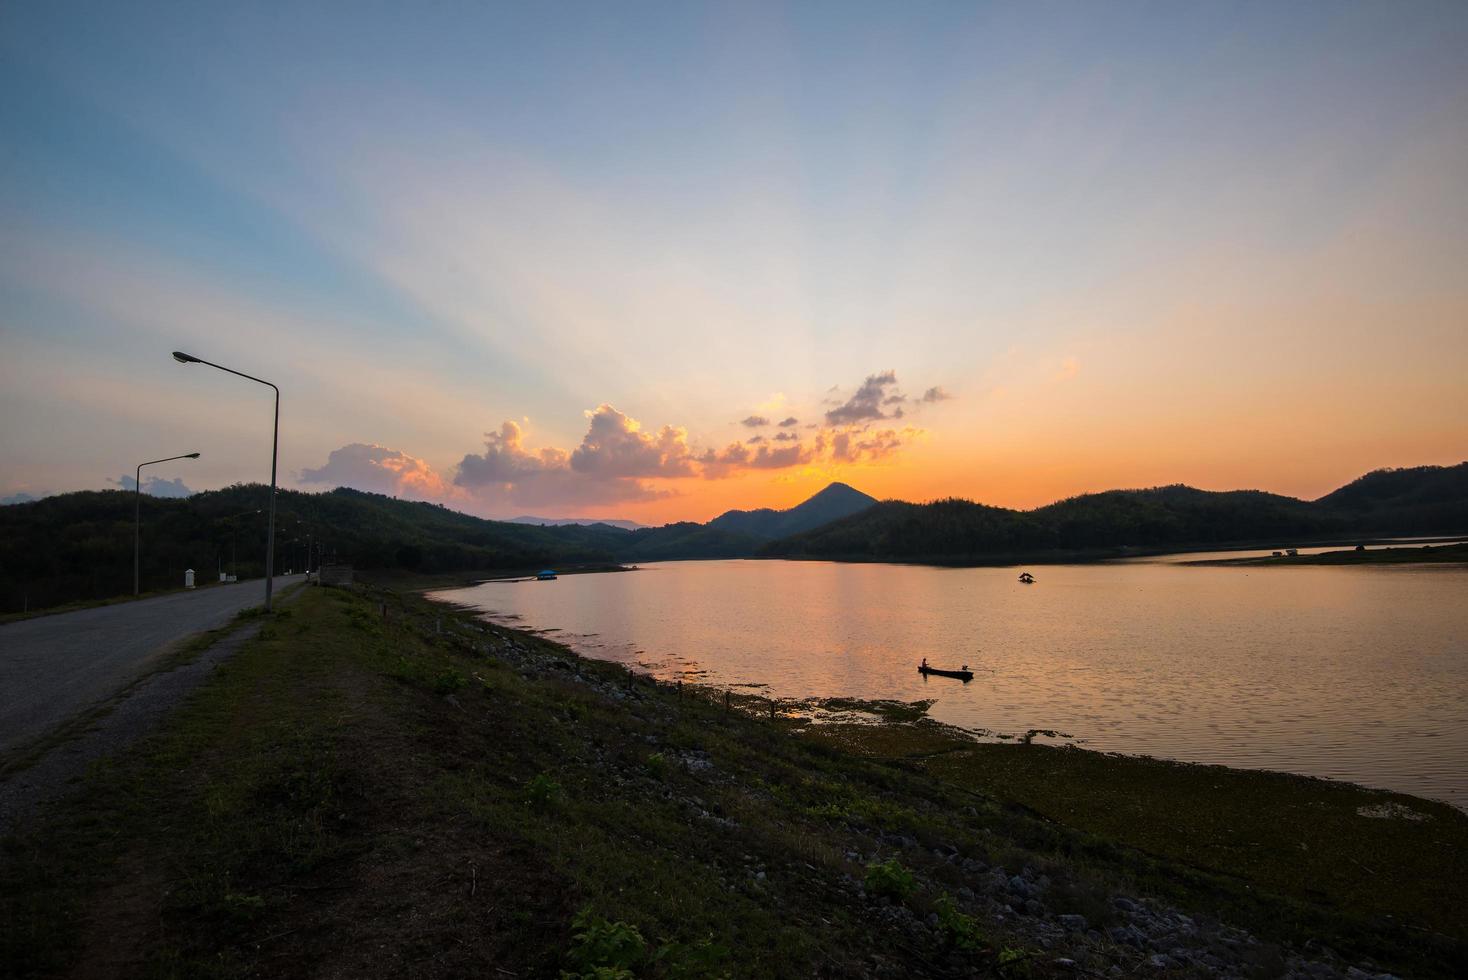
{"x": 183, "y": 358}
{"x": 192, "y": 456}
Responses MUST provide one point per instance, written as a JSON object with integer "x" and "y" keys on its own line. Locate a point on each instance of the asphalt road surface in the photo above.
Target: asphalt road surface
{"x": 53, "y": 667}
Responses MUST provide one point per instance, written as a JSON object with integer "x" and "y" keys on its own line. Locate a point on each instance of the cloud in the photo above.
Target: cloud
{"x": 856, "y": 447}
{"x": 156, "y": 486}
{"x": 616, "y": 446}
{"x": 775, "y": 459}
{"x": 607, "y": 467}
{"x": 866, "y": 404}
{"x": 718, "y": 465}
{"x": 737, "y": 456}
{"x": 618, "y": 461}
{"x": 936, "y": 394}
{"x": 377, "y": 469}
{"x": 887, "y": 442}
{"x": 18, "y": 498}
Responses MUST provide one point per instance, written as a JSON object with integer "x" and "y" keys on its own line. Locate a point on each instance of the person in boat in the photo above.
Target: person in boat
{"x": 965, "y": 666}
{"x": 925, "y": 663}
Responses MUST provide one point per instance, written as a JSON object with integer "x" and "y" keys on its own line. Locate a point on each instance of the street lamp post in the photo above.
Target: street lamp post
{"x": 183, "y": 358}
{"x": 138, "y": 516}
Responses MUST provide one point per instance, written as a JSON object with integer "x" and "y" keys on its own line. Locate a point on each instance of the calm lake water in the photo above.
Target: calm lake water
{"x": 1357, "y": 673}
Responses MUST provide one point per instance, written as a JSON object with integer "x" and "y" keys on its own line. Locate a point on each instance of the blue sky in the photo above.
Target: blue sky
{"x": 426, "y": 220}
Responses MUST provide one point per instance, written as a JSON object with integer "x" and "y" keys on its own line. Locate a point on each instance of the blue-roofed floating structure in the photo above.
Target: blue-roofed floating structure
{"x": 546, "y": 575}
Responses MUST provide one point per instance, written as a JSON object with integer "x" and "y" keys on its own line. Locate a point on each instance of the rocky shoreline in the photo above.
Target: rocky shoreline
{"x": 1142, "y": 936}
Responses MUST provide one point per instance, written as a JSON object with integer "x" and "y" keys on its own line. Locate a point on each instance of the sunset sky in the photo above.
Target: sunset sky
{"x": 586, "y": 259}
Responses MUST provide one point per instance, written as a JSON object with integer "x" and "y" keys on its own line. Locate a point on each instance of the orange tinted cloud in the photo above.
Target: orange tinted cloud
{"x": 378, "y": 469}
{"x": 619, "y": 463}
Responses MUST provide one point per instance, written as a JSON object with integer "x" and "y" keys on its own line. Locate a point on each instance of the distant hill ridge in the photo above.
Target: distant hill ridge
{"x": 1419, "y": 487}
{"x": 1422, "y": 500}
{"x": 835, "y": 501}
{"x": 739, "y": 533}
{"x": 582, "y": 521}
{"x": 79, "y": 545}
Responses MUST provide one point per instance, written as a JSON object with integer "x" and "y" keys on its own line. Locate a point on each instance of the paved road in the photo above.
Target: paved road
{"x": 53, "y": 667}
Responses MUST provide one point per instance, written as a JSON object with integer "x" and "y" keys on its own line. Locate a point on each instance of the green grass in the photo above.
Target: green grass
{"x": 1300, "y": 837}
{"x": 361, "y": 794}
{"x": 1243, "y": 833}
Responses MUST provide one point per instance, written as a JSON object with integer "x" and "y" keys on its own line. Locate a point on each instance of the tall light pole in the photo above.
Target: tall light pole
{"x": 138, "y": 516}
{"x": 183, "y": 358}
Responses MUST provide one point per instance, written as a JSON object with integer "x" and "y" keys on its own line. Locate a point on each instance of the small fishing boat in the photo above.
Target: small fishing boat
{"x": 964, "y": 675}
{"x": 546, "y": 575}
{"x": 1027, "y": 578}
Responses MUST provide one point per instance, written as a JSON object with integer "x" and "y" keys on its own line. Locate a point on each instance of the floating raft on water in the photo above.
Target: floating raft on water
{"x": 963, "y": 675}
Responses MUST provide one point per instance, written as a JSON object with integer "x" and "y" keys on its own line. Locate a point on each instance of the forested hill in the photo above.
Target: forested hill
{"x": 837, "y": 500}
{"x": 740, "y": 533}
{"x": 1424, "y": 500}
{"x": 79, "y": 546}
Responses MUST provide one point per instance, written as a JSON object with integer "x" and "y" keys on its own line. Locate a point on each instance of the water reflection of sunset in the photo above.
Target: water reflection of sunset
{"x": 1348, "y": 673}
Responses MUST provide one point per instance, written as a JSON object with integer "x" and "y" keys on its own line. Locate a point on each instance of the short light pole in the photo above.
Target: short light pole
{"x": 138, "y": 516}
{"x": 183, "y": 358}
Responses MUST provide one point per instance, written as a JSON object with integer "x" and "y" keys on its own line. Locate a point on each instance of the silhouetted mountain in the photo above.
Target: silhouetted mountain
{"x": 686, "y": 540}
{"x": 739, "y": 533}
{"x": 583, "y": 521}
{"x": 1424, "y": 500}
{"x": 837, "y": 500}
{"x": 80, "y": 545}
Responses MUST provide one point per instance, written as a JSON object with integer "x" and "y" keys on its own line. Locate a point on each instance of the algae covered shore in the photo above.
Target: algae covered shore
{"x": 379, "y": 785}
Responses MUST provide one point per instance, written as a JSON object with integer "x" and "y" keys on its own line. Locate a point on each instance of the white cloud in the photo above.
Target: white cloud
{"x": 616, "y": 446}
{"x": 378, "y": 469}
{"x": 611, "y": 470}
{"x": 156, "y": 486}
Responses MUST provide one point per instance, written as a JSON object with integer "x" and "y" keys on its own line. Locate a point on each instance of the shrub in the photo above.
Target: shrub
{"x": 657, "y": 765}
{"x": 542, "y": 791}
{"x": 605, "y": 950}
{"x": 449, "y": 681}
{"x": 602, "y": 949}
{"x": 891, "y": 879}
{"x": 961, "y": 930}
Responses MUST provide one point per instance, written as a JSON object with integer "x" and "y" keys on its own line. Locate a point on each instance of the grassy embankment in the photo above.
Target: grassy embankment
{"x": 1425, "y": 554}
{"x": 363, "y": 791}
